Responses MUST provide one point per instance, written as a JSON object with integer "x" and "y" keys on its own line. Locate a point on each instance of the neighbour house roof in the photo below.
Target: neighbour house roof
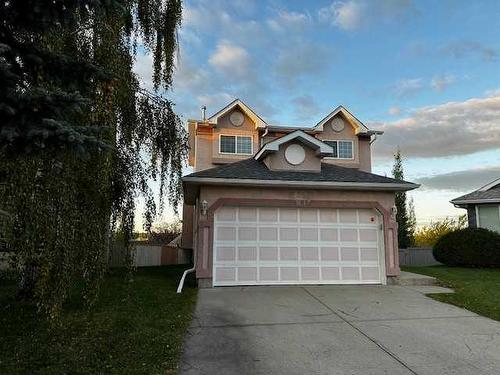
{"x": 489, "y": 193}
{"x": 251, "y": 172}
{"x": 321, "y": 147}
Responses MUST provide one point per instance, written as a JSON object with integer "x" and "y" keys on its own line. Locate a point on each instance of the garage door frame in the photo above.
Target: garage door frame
{"x": 381, "y": 237}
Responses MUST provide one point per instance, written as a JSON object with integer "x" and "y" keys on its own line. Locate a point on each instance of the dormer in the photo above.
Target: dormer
{"x": 297, "y": 151}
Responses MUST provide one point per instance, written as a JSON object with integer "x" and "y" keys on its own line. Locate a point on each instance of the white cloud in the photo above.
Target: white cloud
{"x": 345, "y": 15}
{"x": 354, "y": 14}
{"x": 286, "y": 21}
{"x": 394, "y": 111}
{"x": 441, "y": 83}
{"x": 407, "y": 87}
{"x": 454, "y": 128}
{"x": 230, "y": 59}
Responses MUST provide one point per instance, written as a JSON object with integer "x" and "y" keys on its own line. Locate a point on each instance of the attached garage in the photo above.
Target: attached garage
{"x": 295, "y": 245}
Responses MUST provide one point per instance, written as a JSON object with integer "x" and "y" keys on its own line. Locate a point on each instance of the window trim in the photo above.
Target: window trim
{"x": 338, "y": 149}
{"x": 236, "y": 136}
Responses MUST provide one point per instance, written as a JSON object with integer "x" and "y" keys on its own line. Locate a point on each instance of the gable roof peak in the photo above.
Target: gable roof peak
{"x": 353, "y": 120}
{"x": 259, "y": 122}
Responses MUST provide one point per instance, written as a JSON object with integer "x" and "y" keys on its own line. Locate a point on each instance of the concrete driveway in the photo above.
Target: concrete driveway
{"x": 336, "y": 330}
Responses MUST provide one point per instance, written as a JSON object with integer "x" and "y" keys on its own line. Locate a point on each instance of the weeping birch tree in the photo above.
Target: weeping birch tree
{"x": 80, "y": 138}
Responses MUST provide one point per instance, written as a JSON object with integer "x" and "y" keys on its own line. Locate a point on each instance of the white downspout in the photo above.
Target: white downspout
{"x": 186, "y": 272}
{"x": 192, "y": 269}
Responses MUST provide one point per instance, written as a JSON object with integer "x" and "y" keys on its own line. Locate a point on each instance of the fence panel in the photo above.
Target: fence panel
{"x": 417, "y": 256}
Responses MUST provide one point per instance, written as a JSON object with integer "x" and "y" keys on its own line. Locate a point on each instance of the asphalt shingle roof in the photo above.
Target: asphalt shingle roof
{"x": 493, "y": 193}
{"x": 254, "y": 169}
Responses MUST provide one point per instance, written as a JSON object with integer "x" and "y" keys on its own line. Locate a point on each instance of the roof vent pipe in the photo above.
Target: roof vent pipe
{"x": 204, "y": 113}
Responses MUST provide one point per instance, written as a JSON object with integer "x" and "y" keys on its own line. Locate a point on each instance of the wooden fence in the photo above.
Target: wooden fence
{"x": 417, "y": 256}
{"x": 148, "y": 255}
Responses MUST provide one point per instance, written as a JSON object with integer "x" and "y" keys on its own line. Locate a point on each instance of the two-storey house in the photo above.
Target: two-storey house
{"x": 278, "y": 205}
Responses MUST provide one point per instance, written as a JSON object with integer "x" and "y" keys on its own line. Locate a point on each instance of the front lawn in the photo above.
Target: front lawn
{"x": 476, "y": 289}
{"x": 132, "y": 330}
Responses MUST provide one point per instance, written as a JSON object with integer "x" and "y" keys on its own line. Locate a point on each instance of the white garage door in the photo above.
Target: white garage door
{"x": 266, "y": 246}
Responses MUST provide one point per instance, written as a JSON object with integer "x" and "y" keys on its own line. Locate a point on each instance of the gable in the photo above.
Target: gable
{"x": 238, "y": 104}
{"x": 340, "y": 113}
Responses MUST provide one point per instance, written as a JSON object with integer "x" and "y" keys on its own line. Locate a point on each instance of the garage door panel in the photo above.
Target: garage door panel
{"x": 254, "y": 245}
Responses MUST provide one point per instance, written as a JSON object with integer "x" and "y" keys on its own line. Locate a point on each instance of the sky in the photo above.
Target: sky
{"x": 427, "y": 73}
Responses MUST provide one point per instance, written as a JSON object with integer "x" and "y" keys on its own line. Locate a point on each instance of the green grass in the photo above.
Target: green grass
{"x": 133, "y": 329}
{"x": 476, "y": 289}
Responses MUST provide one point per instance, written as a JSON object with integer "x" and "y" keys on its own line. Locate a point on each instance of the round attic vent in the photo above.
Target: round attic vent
{"x": 295, "y": 154}
{"x": 337, "y": 124}
{"x": 236, "y": 118}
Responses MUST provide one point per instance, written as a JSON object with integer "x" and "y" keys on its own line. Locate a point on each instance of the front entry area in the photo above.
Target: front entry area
{"x": 289, "y": 245}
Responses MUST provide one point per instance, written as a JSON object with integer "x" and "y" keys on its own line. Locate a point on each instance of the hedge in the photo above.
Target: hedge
{"x": 469, "y": 247}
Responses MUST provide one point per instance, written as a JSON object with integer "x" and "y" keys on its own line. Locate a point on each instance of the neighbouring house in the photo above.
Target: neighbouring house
{"x": 483, "y": 206}
{"x": 271, "y": 205}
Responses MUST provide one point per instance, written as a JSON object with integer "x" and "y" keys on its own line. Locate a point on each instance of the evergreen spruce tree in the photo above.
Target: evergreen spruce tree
{"x": 404, "y": 236}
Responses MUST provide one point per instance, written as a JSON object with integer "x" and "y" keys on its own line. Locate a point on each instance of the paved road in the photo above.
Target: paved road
{"x": 336, "y": 330}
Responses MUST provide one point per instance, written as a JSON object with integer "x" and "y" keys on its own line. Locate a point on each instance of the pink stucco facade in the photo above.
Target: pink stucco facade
{"x": 218, "y": 196}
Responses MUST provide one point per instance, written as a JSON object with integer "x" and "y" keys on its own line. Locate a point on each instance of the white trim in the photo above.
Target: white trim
{"x": 490, "y": 185}
{"x": 259, "y": 122}
{"x": 477, "y": 216}
{"x": 236, "y": 136}
{"x": 338, "y": 153}
{"x": 358, "y": 125}
{"x": 476, "y": 201}
{"x": 309, "y": 140}
{"x": 310, "y": 184}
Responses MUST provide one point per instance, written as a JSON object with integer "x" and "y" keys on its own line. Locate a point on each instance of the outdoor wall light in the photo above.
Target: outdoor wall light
{"x": 204, "y": 207}
{"x": 394, "y": 211}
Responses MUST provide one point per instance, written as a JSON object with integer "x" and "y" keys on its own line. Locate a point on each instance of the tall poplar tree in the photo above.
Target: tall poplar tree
{"x": 404, "y": 235}
{"x": 80, "y": 138}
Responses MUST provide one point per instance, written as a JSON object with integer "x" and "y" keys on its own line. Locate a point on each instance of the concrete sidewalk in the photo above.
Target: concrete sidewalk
{"x": 336, "y": 330}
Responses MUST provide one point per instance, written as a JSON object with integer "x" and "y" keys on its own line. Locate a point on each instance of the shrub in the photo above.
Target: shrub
{"x": 470, "y": 247}
{"x": 428, "y": 235}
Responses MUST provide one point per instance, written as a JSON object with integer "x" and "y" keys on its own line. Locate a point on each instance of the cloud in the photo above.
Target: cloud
{"x": 354, "y": 14}
{"x": 300, "y": 59}
{"x": 305, "y": 108}
{"x": 441, "y": 83}
{"x": 230, "y": 59}
{"x": 286, "y": 21}
{"x": 411, "y": 86}
{"x": 463, "y": 49}
{"x": 455, "y": 128}
{"x": 461, "y": 181}
{"x": 406, "y": 87}
{"x": 345, "y": 15}
{"x": 394, "y": 111}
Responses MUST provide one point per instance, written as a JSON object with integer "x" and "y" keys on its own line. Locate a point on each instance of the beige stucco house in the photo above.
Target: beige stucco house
{"x": 275, "y": 205}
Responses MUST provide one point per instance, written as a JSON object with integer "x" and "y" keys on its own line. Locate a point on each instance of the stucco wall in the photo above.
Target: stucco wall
{"x": 231, "y": 195}
{"x": 365, "y": 154}
{"x": 348, "y": 134}
{"x": 277, "y": 161}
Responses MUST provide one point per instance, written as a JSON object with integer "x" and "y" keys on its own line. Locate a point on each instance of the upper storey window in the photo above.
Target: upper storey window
{"x": 341, "y": 149}
{"x": 235, "y": 144}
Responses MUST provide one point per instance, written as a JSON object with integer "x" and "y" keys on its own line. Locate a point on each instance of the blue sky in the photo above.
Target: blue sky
{"x": 426, "y": 72}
